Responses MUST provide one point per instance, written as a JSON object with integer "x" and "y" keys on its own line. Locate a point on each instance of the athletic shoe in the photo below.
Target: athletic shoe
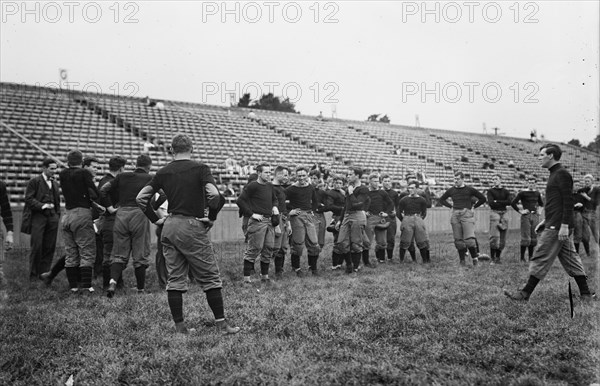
{"x": 46, "y": 278}
{"x": 520, "y": 296}
{"x": 226, "y": 329}
{"x": 181, "y": 328}
{"x": 588, "y": 297}
{"x": 335, "y": 267}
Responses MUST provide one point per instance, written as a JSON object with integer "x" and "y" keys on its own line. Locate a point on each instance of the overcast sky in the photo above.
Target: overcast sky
{"x": 457, "y": 65}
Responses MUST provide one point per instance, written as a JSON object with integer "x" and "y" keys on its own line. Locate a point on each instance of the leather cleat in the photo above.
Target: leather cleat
{"x": 46, "y": 278}
{"x": 588, "y": 297}
{"x": 181, "y": 328}
{"x": 370, "y": 265}
{"x": 475, "y": 261}
{"x": 299, "y": 272}
{"x": 520, "y": 296}
{"x": 226, "y": 329}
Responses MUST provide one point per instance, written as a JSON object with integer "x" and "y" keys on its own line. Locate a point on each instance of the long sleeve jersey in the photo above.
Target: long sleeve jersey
{"x": 462, "y": 197}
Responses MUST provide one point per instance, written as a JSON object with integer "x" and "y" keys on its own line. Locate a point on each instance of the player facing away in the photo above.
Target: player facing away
{"x": 191, "y": 191}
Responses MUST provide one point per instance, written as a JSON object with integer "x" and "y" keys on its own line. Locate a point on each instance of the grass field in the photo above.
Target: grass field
{"x": 396, "y": 324}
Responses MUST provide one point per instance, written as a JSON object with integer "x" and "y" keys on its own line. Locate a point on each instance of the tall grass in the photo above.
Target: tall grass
{"x": 396, "y": 324}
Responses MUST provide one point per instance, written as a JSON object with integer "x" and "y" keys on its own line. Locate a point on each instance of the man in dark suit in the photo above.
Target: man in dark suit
{"x": 42, "y": 198}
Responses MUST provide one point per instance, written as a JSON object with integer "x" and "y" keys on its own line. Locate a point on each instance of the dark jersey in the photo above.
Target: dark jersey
{"x": 301, "y": 197}
{"x": 559, "y": 197}
{"x": 462, "y": 197}
{"x": 530, "y": 200}
{"x": 78, "y": 187}
{"x": 257, "y": 198}
{"x": 498, "y": 198}
{"x": 380, "y": 202}
{"x": 124, "y": 188}
{"x": 411, "y": 205}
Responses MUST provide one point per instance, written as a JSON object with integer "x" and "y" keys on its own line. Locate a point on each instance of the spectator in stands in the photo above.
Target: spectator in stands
{"x": 413, "y": 209}
{"x": 379, "y": 211}
{"x": 149, "y": 102}
{"x": 353, "y": 221}
{"x": 252, "y": 116}
{"x": 131, "y": 228}
{"x": 258, "y": 201}
{"x": 591, "y": 194}
{"x": 231, "y": 165}
{"x": 498, "y": 198}
{"x": 320, "y": 116}
{"x": 79, "y": 192}
{"x": 229, "y": 192}
{"x": 7, "y": 243}
{"x": 244, "y": 166}
{"x": 281, "y": 243}
{"x": 302, "y": 202}
{"x": 555, "y": 238}
{"x": 149, "y": 146}
{"x": 511, "y": 164}
{"x": 191, "y": 190}
{"x": 42, "y": 201}
{"x": 530, "y": 200}
{"x": 463, "y": 216}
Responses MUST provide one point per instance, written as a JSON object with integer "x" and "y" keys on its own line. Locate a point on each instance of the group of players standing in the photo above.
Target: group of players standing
{"x": 277, "y": 215}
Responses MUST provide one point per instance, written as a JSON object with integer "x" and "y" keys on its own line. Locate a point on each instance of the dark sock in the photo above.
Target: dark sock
{"x": 214, "y": 298}
{"x": 295, "y": 261}
{"x": 264, "y": 268}
{"x": 380, "y": 254}
{"x": 365, "y": 256}
{"x": 402, "y": 253}
{"x": 347, "y": 257}
{"x": 105, "y": 276}
{"x": 531, "y": 283}
{"x": 335, "y": 259}
{"x": 175, "y": 299}
{"x": 586, "y": 246}
{"x": 72, "y": 276}
{"x": 582, "y": 284}
{"x": 390, "y": 253}
{"x": 498, "y": 253}
{"x": 57, "y": 267}
{"x": 248, "y": 267}
{"x": 576, "y": 247}
{"x": 473, "y": 252}
{"x": 461, "y": 254}
{"x": 424, "y": 255}
{"x": 413, "y": 253}
{"x": 523, "y": 249}
{"x": 279, "y": 258}
{"x": 530, "y": 250}
{"x": 140, "y": 277}
{"x": 356, "y": 259}
{"x": 86, "y": 276}
{"x": 312, "y": 262}
{"x": 116, "y": 269}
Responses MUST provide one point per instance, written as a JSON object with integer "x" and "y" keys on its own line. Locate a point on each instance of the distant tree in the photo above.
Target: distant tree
{"x": 574, "y": 142}
{"x": 244, "y": 100}
{"x": 594, "y": 145}
{"x": 375, "y": 118}
{"x": 271, "y": 102}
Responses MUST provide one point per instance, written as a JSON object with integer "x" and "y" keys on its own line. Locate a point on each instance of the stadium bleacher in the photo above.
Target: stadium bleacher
{"x": 36, "y": 122}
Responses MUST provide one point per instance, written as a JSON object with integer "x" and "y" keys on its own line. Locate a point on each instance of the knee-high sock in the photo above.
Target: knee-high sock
{"x": 73, "y": 276}
{"x": 523, "y": 249}
{"x": 214, "y": 297}
{"x": 86, "y": 276}
{"x": 264, "y": 268}
{"x": 140, "y": 277}
{"x": 531, "y": 284}
{"x": 115, "y": 270}
{"x": 365, "y": 256}
{"x": 582, "y": 284}
{"x": 58, "y": 266}
{"x": 248, "y": 267}
{"x": 175, "y": 300}
{"x": 356, "y": 259}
